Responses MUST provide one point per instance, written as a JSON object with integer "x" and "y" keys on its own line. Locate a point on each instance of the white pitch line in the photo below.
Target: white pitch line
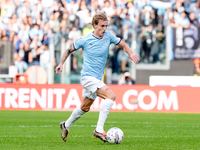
{"x": 93, "y": 126}
{"x": 166, "y": 136}
{"x": 83, "y": 136}
{"x": 50, "y": 126}
{"x": 83, "y": 126}
{"x": 23, "y": 126}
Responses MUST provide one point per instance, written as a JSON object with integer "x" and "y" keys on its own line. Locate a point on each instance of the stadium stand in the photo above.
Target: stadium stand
{"x": 157, "y": 34}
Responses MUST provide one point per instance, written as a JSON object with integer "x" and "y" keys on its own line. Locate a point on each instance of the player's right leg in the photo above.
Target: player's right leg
{"x": 76, "y": 114}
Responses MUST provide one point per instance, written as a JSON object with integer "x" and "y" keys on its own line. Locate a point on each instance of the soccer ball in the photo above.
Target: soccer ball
{"x": 115, "y": 135}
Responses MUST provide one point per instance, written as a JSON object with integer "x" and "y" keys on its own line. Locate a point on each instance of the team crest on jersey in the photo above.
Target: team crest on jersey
{"x": 105, "y": 39}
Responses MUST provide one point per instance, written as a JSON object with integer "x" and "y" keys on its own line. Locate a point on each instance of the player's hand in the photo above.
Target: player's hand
{"x": 59, "y": 68}
{"x": 134, "y": 58}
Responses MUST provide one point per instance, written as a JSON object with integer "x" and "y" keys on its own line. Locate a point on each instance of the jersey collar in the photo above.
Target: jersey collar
{"x": 95, "y": 36}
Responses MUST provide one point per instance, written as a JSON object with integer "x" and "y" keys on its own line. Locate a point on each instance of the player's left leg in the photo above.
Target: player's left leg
{"x": 109, "y": 97}
{"x": 94, "y": 87}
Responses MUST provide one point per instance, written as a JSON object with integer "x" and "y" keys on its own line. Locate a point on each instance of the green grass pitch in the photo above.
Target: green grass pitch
{"x": 39, "y": 130}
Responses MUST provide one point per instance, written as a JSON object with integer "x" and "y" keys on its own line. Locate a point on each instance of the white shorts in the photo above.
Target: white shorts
{"x": 91, "y": 84}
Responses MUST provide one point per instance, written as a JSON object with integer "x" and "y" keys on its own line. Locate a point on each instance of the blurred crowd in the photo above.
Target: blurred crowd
{"x": 152, "y": 30}
{"x": 31, "y": 25}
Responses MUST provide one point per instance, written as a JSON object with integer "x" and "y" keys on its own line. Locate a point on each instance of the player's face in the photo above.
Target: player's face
{"x": 100, "y": 28}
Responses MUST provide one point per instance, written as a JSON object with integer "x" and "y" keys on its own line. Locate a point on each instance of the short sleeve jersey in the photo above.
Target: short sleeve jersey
{"x": 95, "y": 53}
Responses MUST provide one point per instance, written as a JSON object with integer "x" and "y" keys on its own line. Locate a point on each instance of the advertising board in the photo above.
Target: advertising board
{"x": 66, "y": 97}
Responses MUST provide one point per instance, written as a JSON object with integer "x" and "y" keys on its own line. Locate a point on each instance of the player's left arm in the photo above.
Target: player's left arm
{"x": 127, "y": 49}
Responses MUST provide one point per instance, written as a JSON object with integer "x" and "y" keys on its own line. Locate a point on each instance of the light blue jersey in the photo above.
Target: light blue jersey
{"x": 95, "y": 53}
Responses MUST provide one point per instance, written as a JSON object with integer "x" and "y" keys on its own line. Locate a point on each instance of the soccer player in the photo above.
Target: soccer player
{"x": 95, "y": 48}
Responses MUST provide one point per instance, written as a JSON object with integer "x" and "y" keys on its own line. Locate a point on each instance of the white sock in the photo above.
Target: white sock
{"x": 76, "y": 114}
{"x": 104, "y": 111}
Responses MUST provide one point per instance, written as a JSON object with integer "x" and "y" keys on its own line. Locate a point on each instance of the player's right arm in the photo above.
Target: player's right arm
{"x": 64, "y": 57}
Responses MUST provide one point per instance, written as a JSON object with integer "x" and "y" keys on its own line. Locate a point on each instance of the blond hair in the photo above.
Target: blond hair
{"x": 99, "y": 16}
